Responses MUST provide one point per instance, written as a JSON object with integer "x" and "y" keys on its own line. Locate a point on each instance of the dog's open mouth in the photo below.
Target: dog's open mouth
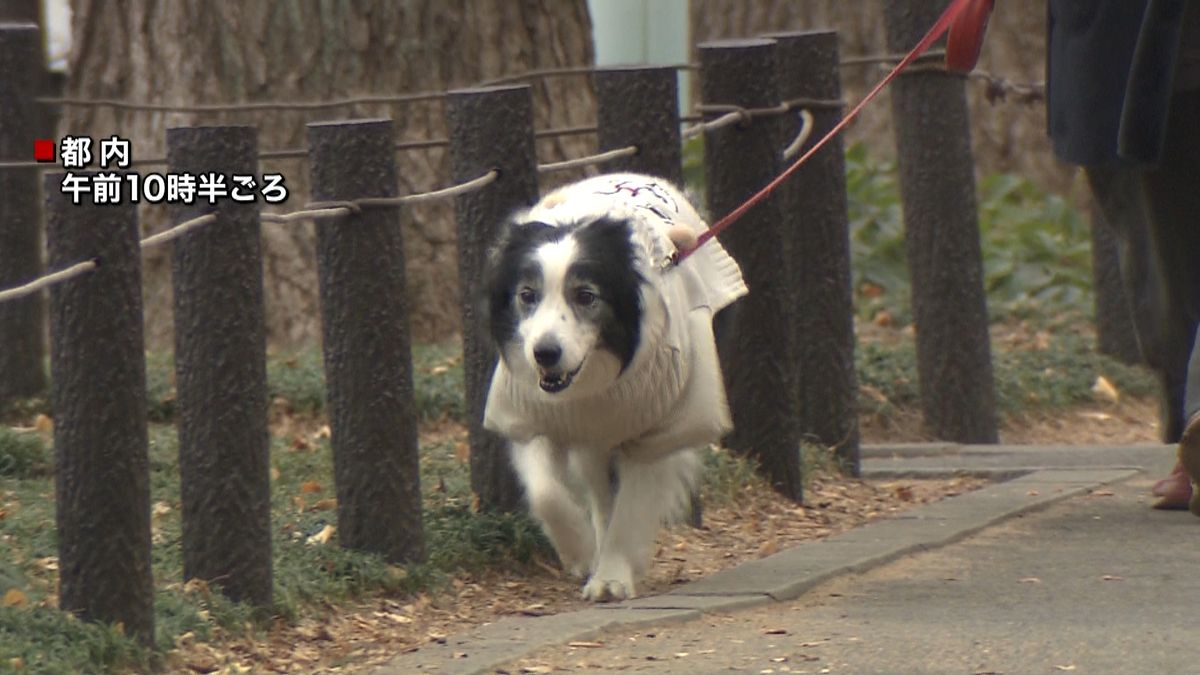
{"x": 555, "y": 382}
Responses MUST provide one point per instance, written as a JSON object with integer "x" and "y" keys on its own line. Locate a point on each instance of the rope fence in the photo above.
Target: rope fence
{"x": 49, "y": 280}
{"x": 733, "y": 114}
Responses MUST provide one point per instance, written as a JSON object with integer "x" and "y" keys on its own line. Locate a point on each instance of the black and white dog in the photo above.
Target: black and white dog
{"x": 607, "y": 362}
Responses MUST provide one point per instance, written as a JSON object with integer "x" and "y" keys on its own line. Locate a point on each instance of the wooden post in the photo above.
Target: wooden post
{"x": 221, "y": 372}
{"x": 490, "y": 128}
{"x": 640, "y": 106}
{"x": 98, "y": 369}
{"x": 937, "y": 184}
{"x": 757, "y": 357}
{"x": 818, "y": 225}
{"x": 368, "y": 358}
{"x": 22, "y": 350}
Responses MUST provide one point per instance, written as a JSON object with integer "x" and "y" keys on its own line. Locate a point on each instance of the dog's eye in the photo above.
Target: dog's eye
{"x": 585, "y": 297}
{"x": 527, "y": 296}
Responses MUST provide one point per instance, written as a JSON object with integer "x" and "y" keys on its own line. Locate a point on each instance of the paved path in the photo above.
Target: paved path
{"x": 1063, "y": 567}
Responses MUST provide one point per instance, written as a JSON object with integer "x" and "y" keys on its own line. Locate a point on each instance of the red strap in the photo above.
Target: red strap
{"x": 939, "y": 28}
{"x": 966, "y": 36}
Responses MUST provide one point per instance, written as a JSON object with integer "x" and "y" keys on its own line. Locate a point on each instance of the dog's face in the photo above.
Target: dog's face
{"x": 564, "y": 304}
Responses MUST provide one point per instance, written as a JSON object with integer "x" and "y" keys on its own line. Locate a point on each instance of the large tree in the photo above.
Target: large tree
{"x": 212, "y": 51}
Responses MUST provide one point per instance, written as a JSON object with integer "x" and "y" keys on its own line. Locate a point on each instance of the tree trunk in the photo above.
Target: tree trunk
{"x": 197, "y": 51}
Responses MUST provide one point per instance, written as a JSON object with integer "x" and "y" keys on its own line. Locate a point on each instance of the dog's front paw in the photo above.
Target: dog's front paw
{"x": 608, "y": 590}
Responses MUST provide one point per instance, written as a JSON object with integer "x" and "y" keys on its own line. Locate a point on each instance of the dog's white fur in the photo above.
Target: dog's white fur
{"x": 646, "y": 420}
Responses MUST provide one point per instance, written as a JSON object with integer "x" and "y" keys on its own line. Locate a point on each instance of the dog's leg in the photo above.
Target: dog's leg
{"x": 593, "y": 468}
{"x": 542, "y": 469}
{"x": 648, "y": 494}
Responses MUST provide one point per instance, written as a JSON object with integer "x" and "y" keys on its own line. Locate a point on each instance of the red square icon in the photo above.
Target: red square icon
{"x": 43, "y": 150}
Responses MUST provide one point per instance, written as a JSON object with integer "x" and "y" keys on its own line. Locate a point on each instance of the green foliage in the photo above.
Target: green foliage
{"x": 1036, "y": 247}
{"x": 160, "y": 386}
{"x": 1037, "y": 250}
{"x": 878, "y": 265}
{"x": 49, "y": 641}
{"x": 726, "y": 476}
{"x": 298, "y": 378}
{"x": 438, "y": 381}
{"x": 1062, "y": 375}
{"x": 22, "y": 454}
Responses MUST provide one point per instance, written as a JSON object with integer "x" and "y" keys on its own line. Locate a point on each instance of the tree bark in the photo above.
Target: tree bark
{"x": 211, "y": 51}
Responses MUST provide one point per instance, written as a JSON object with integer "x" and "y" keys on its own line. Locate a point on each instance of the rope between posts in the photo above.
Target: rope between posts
{"x": 177, "y": 231}
{"x": 806, "y": 127}
{"x": 589, "y": 160}
{"x": 48, "y": 280}
{"x": 737, "y": 113}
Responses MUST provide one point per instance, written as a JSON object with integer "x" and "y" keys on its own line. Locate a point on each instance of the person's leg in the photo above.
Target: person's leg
{"x": 1121, "y": 195}
{"x": 1173, "y": 200}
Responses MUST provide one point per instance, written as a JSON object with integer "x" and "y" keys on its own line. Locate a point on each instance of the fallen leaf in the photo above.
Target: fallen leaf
{"x": 1029, "y": 580}
{"x": 323, "y": 536}
{"x": 323, "y": 432}
{"x": 1105, "y": 391}
{"x": 195, "y": 586}
{"x": 1070, "y": 667}
{"x": 310, "y": 487}
{"x": 587, "y": 644}
{"x": 327, "y": 504}
{"x": 160, "y": 509}
{"x": 1111, "y": 577}
{"x": 43, "y": 423}
{"x": 775, "y": 631}
{"x": 15, "y": 597}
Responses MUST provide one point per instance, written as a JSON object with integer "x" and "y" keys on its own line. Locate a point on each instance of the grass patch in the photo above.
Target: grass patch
{"x": 23, "y": 454}
{"x": 42, "y": 640}
{"x": 1060, "y": 375}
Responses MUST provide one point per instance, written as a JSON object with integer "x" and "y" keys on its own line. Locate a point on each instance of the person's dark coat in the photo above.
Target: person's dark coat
{"x": 1109, "y": 77}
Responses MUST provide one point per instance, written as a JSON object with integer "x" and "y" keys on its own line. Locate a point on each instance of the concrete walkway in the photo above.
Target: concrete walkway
{"x": 1059, "y": 567}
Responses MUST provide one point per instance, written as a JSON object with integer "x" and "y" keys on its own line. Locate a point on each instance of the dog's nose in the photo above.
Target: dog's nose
{"x": 547, "y": 353}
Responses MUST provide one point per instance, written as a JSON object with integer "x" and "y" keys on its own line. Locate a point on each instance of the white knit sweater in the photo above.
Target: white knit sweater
{"x": 671, "y": 396}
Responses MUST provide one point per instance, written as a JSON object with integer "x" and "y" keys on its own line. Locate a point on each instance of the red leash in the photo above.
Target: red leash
{"x": 958, "y": 61}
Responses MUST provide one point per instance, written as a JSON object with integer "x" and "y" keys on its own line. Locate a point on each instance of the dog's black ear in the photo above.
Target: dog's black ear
{"x": 502, "y": 272}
